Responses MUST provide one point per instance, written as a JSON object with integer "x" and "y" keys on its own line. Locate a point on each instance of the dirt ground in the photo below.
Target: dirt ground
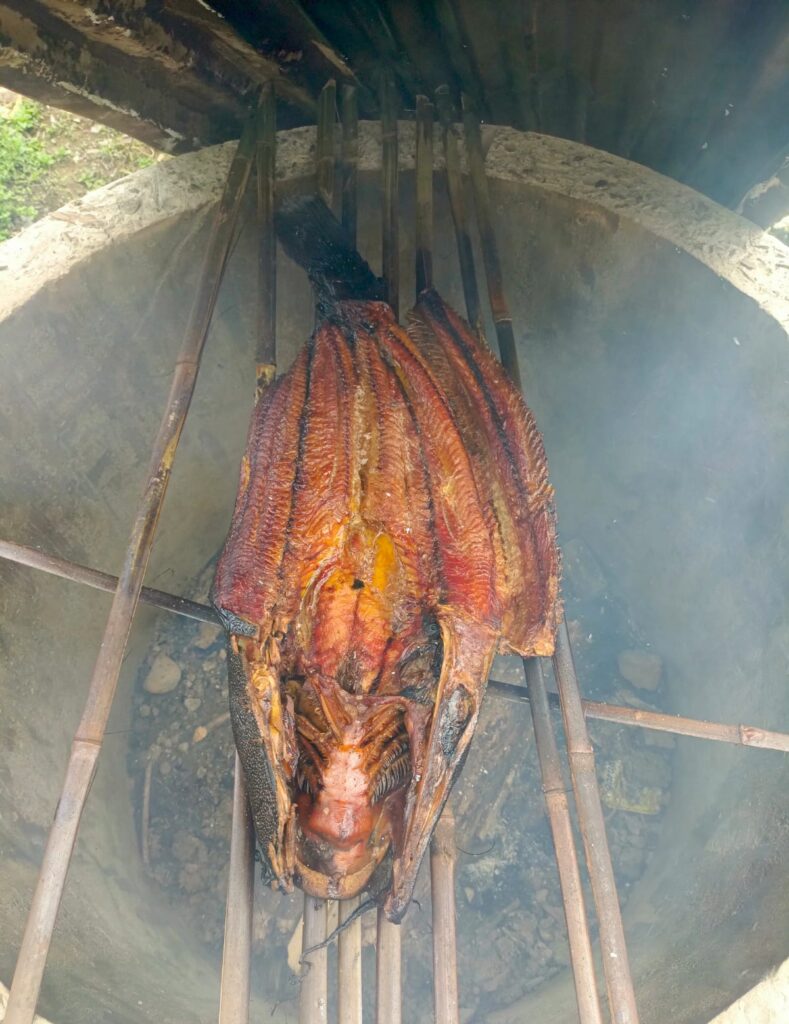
{"x": 49, "y": 157}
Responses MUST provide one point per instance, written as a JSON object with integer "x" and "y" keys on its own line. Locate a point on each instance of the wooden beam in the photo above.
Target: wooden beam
{"x": 178, "y": 81}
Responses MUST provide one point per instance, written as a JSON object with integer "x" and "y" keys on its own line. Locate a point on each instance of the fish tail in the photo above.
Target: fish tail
{"x": 313, "y": 237}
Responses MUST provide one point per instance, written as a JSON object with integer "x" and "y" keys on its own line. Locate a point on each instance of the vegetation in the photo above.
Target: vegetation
{"x": 23, "y": 159}
{"x": 49, "y": 157}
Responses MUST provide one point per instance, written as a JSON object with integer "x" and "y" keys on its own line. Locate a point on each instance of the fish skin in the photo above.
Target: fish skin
{"x": 393, "y": 528}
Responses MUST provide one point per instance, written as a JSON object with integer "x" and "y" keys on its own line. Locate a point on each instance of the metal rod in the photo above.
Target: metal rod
{"x": 424, "y": 194}
{"x": 390, "y": 262}
{"x": 313, "y": 996}
{"x": 619, "y": 983}
{"x": 327, "y": 105}
{"x": 616, "y": 967}
{"x": 558, "y": 809}
{"x": 98, "y": 580}
{"x": 457, "y": 204}
{"x": 350, "y": 158}
{"x": 490, "y": 250}
{"x": 237, "y": 949}
{"x": 388, "y": 984}
{"x": 349, "y": 966}
{"x": 266, "y": 165}
{"x": 442, "y": 888}
{"x": 90, "y": 732}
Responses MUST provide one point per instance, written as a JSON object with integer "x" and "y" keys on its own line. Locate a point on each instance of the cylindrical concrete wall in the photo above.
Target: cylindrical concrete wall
{"x": 655, "y": 359}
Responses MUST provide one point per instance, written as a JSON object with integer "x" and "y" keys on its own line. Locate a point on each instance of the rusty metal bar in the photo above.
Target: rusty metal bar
{"x": 616, "y": 968}
{"x": 313, "y": 995}
{"x": 266, "y": 166}
{"x": 678, "y": 725}
{"x": 350, "y": 158}
{"x": 388, "y": 981}
{"x": 327, "y": 105}
{"x": 558, "y": 809}
{"x": 349, "y": 966}
{"x": 619, "y": 983}
{"x": 424, "y": 194}
{"x": 237, "y": 949}
{"x": 90, "y": 732}
{"x": 457, "y": 204}
{"x": 442, "y": 888}
{"x": 390, "y": 261}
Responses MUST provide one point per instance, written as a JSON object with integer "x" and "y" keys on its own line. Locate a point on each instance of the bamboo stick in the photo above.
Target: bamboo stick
{"x": 424, "y": 194}
{"x": 442, "y": 888}
{"x": 313, "y": 995}
{"x": 90, "y": 732}
{"x": 325, "y": 145}
{"x": 388, "y": 963}
{"x": 460, "y": 53}
{"x": 54, "y": 566}
{"x": 616, "y": 967}
{"x": 235, "y": 984}
{"x": 349, "y": 966}
{"x": 388, "y": 982}
{"x": 237, "y": 948}
{"x": 350, "y": 159}
{"x": 390, "y": 262}
{"x": 502, "y": 320}
{"x": 457, "y": 204}
{"x": 619, "y": 983}
{"x": 558, "y": 809}
{"x": 266, "y": 160}
{"x": 678, "y": 725}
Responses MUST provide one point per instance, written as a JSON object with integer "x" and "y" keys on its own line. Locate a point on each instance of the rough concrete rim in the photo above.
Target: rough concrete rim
{"x": 739, "y": 252}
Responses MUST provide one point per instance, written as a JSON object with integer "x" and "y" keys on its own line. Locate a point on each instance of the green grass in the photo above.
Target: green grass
{"x": 23, "y": 161}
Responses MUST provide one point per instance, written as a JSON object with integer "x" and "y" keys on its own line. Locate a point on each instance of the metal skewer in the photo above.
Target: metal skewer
{"x": 88, "y": 740}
